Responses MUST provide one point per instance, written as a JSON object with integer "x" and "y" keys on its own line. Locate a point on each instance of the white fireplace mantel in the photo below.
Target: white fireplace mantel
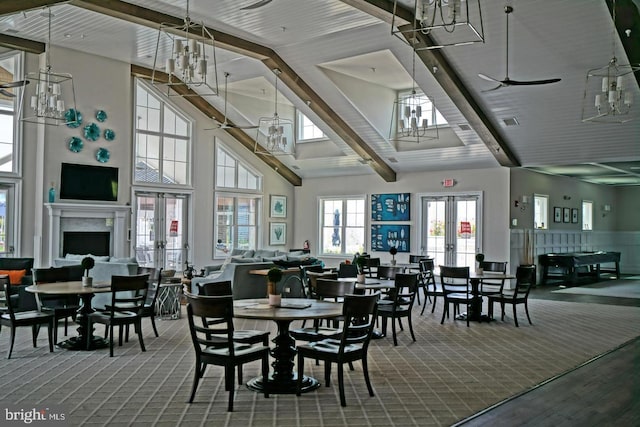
{"x": 118, "y": 213}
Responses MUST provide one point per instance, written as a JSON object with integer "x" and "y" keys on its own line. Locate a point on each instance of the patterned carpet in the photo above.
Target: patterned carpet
{"x": 450, "y": 373}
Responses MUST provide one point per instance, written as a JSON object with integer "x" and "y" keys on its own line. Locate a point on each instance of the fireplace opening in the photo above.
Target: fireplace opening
{"x": 86, "y": 242}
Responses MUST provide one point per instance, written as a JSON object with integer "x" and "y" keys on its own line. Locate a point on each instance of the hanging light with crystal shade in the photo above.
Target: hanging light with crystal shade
{"x": 608, "y": 92}
{"x": 47, "y": 105}
{"x": 275, "y": 134}
{"x": 191, "y": 60}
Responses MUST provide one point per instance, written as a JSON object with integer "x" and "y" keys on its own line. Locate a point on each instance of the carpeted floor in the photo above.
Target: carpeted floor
{"x": 450, "y": 373}
{"x": 620, "y": 288}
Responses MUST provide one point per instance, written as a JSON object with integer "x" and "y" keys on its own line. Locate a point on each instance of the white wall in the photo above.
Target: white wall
{"x": 494, "y": 183}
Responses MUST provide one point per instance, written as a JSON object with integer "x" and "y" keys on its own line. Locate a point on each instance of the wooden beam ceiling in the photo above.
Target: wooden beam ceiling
{"x": 447, "y": 78}
{"x": 270, "y": 58}
{"x": 21, "y": 44}
{"x": 210, "y": 111}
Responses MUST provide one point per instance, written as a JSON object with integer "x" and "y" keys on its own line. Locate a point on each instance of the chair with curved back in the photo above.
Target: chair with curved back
{"x": 455, "y": 288}
{"x": 14, "y": 319}
{"x": 359, "y": 313}
{"x": 347, "y": 270}
{"x": 415, "y": 259}
{"x": 149, "y": 308}
{"x": 404, "y": 295}
{"x": 492, "y": 286}
{"x": 63, "y": 307}
{"x": 128, "y": 295}
{"x": 222, "y": 350}
{"x": 428, "y": 283}
{"x": 371, "y": 266}
{"x": 389, "y": 272}
{"x": 525, "y": 278}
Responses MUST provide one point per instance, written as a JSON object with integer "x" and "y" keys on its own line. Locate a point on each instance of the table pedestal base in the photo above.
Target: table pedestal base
{"x": 76, "y": 343}
{"x": 283, "y": 387}
{"x": 479, "y": 318}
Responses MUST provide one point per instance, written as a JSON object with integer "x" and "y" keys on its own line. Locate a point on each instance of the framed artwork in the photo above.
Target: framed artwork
{"x": 277, "y": 233}
{"x": 574, "y": 216}
{"x": 390, "y": 207}
{"x": 566, "y": 215}
{"x": 557, "y": 214}
{"x": 278, "y": 206}
{"x": 385, "y": 236}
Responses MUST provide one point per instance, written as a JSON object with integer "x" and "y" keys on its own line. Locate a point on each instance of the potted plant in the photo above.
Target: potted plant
{"x": 274, "y": 275}
{"x": 393, "y": 251}
{"x": 361, "y": 262}
{"x": 479, "y": 258}
{"x": 87, "y": 264}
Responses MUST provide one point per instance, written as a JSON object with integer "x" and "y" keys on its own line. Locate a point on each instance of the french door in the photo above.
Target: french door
{"x": 7, "y": 192}
{"x": 161, "y": 229}
{"x": 450, "y": 228}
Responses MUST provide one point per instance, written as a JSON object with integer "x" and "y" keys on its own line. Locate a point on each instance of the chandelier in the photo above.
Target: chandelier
{"x": 275, "y": 134}
{"x": 411, "y": 114}
{"x": 192, "y": 51}
{"x": 608, "y": 96}
{"x": 446, "y": 22}
{"x": 47, "y": 104}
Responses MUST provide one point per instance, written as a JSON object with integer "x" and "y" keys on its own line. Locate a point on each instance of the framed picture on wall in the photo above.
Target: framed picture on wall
{"x": 278, "y": 206}
{"x": 277, "y": 233}
{"x": 566, "y": 215}
{"x": 574, "y": 216}
{"x": 391, "y": 207}
{"x": 557, "y": 214}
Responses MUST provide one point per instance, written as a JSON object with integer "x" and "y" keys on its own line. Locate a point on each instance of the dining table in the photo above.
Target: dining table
{"x": 86, "y": 294}
{"x": 283, "y": 378}
{"x": 475, "y": 308}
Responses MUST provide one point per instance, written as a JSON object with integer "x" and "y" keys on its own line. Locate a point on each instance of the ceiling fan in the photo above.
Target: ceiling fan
{"x": 256, "y": 5}
{"x": 225, "y": 123}
{"x": 507, "y": 81}
{"x": 4, "y": 86}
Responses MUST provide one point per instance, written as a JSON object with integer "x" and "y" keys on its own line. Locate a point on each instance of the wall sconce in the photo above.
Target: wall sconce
{"x": 605, "y": 210}
{"x": 521, "y": 203}
{"x": 566, "y": 197}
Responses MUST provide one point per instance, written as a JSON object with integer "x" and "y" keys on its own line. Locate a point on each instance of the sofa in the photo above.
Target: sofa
{"x": 20, "y": 276}
{"x": 104, "y": 268}
{"x": 240, "y": 262}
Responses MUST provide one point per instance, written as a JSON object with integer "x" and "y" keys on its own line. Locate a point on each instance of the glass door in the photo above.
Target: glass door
{"x": 161, "y": 230}
{"x": 6, "y": 229}
{"x": 450, "y": 228}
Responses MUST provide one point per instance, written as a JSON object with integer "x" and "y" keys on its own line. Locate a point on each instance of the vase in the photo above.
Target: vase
{"x": 393, "y": 262}
{"x": 275, "y": 300}
{"x": 360, "y": 278}
{"x": 87, "y": 281}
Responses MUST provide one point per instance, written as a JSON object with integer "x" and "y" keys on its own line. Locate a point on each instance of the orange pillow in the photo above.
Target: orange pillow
{"x": 15, "y": 276}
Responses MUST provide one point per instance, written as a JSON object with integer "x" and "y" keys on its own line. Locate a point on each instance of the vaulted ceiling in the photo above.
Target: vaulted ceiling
{"x": 342, "y": 67}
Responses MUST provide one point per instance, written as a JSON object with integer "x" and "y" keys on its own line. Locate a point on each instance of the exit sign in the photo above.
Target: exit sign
{"x": 449, "y": 182}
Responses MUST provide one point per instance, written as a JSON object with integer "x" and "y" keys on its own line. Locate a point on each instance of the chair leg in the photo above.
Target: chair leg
{"x": 327, "y": 373}
{"x": 66, "y": 324}
{"x": 265, "y": 375}
{"x": 393, "y": 331}
{"x": 50, "y": 336}
{"x": 445, "y": 310}
{"x": 502, "y": 308}
{"x": 153, "y": 324}
{"x": 411, "y": 327}
{"x": 138, "y": 329}
{"x": 468, "y": 313}
{"x": 13, "y": 339}
{"x": 232, "y": 387}
{"x": 300, "y": 374}
{"x": 239, "y": 374}
{"x": 526, "y": 309}
{"x": 435, "y": 298}
{"x": 111, "y": 340}
{"x": 515, "y": 316}
{"x": 365, "y": 369}
{"x": 196, "y": 380}
{"x": 343, "y": 400}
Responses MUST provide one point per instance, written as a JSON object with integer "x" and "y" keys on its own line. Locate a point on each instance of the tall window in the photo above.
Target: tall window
{"x": 587, "y": 215}
{"x": 236, "y": 214}
{"x": 342, "y": 225}
{"x": 9, "y": 71}
{"x": 163, "y": 140}
{"x": 540, "y": 211}
{"x": 307, "y": 130}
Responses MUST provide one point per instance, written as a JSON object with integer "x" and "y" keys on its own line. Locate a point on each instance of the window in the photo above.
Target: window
{"x": 9, "y": 71}
{"x": 342, "y": 225}
{"x": 541, "y": 211}
{"x": 307, "y": 130}
{"x": 163, "y": 140}
{"x": 236, "y": 215}
{"x": 429, "y": 112}
{"x": 587, "y": 215}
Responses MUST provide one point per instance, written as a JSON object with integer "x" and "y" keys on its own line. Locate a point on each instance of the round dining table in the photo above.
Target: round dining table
{"x": 283, "y": 379}
{"x": 86, "y": 294}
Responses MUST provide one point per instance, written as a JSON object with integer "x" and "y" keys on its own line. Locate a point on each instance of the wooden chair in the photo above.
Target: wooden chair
{"x": 492, "y": 286}
{"x": 455, "y": 288}
{"x": 359, "y": 312}
{"x": 243, "y": 336}
{"x": 218, "y": 312}
{"x": 128, "y": 295}
{"x": 404, "y": 295}
{"x": 415, "y": 259}
{"x": 428, "y": 283}
{"x": 347, "y": 270}
{"x": 371, "y": 267}
{"x": 525, "y": 278}
{"x": 149, "y": 307}
{"x": 63, "y": 307}
{"x": 14, "y": 319}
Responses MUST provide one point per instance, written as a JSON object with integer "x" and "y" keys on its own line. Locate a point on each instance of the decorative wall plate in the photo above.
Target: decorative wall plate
{"x": 101, "y": 115}
{"x": 73, "y": 118}
{"x": 75, "y": 144}
{"x": 109, "y": 134}
{"x": 103, "y": 155}
{"x": 92, "y": 132}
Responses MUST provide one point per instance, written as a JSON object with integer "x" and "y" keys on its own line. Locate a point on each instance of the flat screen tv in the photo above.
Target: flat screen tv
{"x": 86, "y": 182}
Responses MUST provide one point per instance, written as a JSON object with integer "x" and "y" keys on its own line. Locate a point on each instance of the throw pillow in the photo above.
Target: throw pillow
{"x": 130, "y": 260}
{"x": 15, "y": 276}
